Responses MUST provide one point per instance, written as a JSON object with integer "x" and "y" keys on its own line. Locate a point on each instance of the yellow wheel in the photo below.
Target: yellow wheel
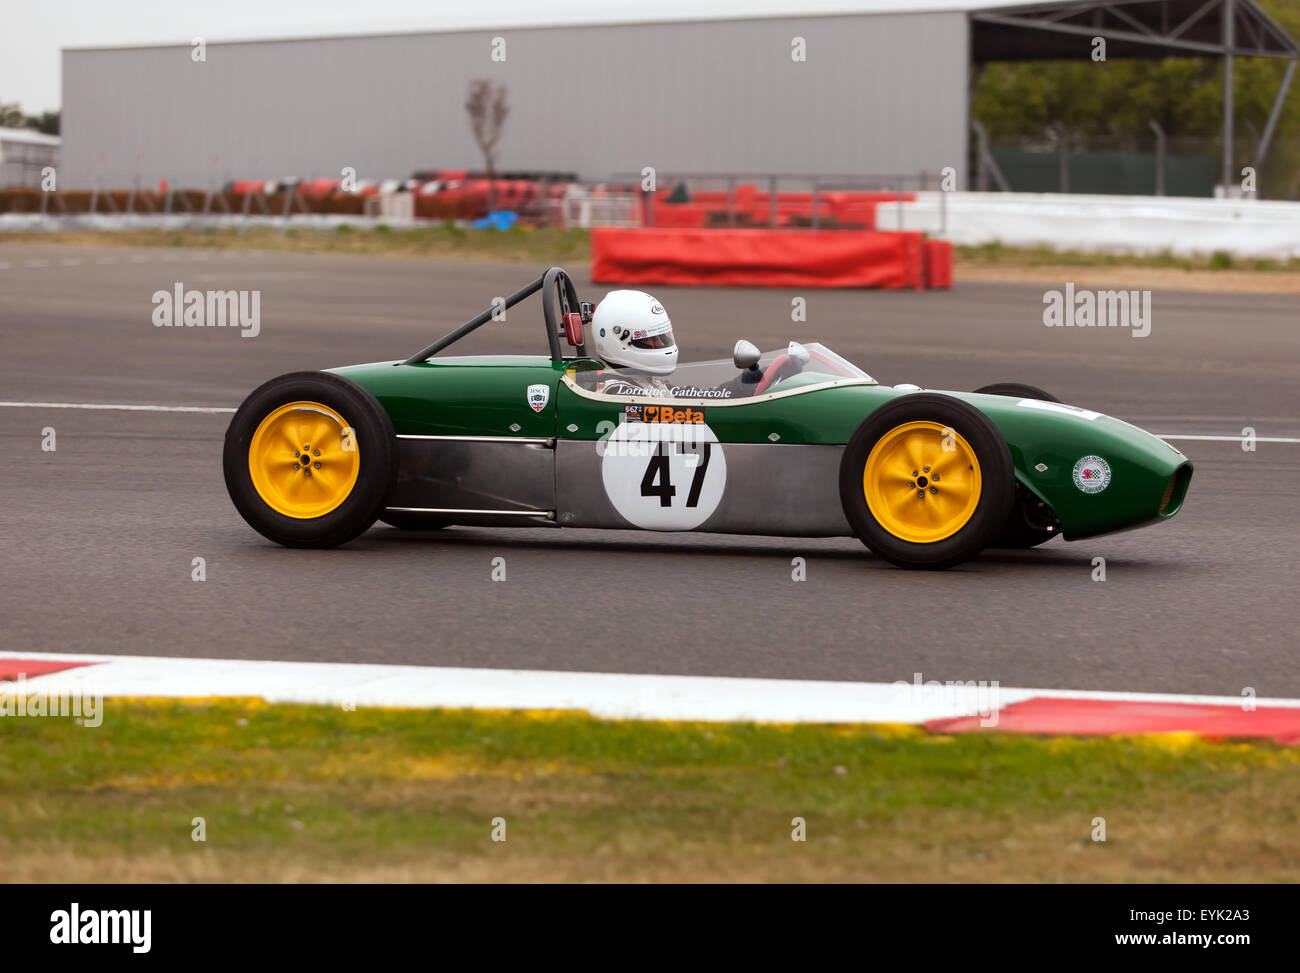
{"x": 926, "y": 481}
{"x": 303, "y": 460}
{"x": 310, "y": 459}
{"x": 922, "y": 481}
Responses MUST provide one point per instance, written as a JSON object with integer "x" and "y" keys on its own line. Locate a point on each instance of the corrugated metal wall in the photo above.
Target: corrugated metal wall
{"x": 877, "y": 94}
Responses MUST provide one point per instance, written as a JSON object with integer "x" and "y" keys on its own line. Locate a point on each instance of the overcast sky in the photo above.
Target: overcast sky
{"x": 33, "y": 33}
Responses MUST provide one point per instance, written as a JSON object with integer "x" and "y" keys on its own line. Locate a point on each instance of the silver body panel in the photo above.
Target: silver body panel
{"x": 777, "y": 490}
{"x": 478, "y": 476}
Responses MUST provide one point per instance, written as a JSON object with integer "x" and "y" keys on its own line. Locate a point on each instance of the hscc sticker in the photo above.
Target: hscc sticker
{"x": 1092, "y": 474}
{"x": 538, "y": 396}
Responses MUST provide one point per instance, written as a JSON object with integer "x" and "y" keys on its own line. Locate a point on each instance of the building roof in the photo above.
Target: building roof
{"x": 1003, "y": 29}
{"x": 28, "y": 136}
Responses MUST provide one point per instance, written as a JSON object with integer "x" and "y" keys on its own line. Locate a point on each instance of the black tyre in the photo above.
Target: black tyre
{"x": 310, "y": 459}
{"x": 404, "y": 520}
{"x": 926, "y": 481}
{"x": 1018, "y": 391}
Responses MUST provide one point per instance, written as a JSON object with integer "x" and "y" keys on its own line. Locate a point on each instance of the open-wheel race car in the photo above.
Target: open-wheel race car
{"x": 795, "y": 442}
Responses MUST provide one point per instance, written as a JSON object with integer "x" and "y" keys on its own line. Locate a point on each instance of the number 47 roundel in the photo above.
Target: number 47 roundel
{"x": 662, "y": 476}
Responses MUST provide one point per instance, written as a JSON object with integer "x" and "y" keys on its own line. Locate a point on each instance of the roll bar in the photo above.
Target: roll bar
{"x": 554, "y": 281}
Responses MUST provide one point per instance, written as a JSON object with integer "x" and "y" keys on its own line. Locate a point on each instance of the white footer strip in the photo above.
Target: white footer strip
{"x": 608, "y": 695}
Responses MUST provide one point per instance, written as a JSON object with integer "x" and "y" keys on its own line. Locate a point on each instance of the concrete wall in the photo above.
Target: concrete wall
{"x": 1186, "y": 226}
{"x": 878, "y": 94}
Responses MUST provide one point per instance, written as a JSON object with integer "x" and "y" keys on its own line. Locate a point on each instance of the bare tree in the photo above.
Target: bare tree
{"x": 487, "y": 110}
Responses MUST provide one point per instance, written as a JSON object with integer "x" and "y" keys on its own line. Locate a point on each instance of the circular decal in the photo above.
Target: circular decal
{"x": 1092, "y": 474}
{"x": 663, "y": 475}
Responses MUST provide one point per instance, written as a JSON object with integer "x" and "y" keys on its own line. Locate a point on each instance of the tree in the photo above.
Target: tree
{"x": 1116, "y": 99}
{"x": 11, "y": 116}
{"x": 46, "y": 121}
{"x": 487, "y": 110}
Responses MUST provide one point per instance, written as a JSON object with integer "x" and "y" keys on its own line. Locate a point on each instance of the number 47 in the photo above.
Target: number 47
{"x": 657, "y": 483}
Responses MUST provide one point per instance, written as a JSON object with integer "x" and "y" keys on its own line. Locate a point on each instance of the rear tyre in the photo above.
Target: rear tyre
{"x": 404, "y": 520}
{"x": 926, "y": 481}
{"x": 1016, "y": 390}
{"x": 310, "y": 458}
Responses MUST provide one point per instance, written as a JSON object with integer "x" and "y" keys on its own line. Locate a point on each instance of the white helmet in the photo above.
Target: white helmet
{"x": 633, "y": 329}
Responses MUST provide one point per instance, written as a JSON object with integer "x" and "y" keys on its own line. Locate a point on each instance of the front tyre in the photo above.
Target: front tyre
{"x": 310, "y": 459}
{"x": 926, "y": 481}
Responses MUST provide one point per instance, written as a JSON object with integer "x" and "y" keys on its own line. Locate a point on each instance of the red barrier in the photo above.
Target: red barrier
{"x": 936, "y": 261}
{"x": 1092, "y": 717}
{"x": 752, "y": 206}
{"x": 756, "y": 258}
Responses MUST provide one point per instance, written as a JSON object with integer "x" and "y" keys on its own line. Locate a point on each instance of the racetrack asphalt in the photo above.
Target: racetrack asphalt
{"x": 97, "y": 537}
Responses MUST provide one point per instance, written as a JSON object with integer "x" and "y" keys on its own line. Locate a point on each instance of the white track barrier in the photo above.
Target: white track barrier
{"x": 1250, "y": 229}
{"x": 606, "y": 695}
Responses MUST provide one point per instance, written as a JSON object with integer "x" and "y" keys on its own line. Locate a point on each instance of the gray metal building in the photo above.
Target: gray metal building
{"x": 884, "y": 91}
{"x": 877, "y": 94}
{"x": 24, "y": 156}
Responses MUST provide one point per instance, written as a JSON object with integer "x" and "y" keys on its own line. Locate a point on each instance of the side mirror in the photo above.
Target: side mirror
{"x": 799, "y": 353}
{"x": 573, "y": 329}
{"x": 745, "y": 355}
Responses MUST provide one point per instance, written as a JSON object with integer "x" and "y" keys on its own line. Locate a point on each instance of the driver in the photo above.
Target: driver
{"x": 635, "y": 339}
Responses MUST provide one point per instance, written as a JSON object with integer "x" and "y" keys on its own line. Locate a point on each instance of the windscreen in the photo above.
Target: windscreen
{"x": 795, "y": 366}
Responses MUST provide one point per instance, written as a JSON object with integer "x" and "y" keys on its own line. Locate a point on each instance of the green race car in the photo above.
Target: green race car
{"x": 796, "y": 442}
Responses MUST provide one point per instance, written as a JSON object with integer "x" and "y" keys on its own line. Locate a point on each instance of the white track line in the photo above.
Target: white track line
{"x": 1231, "y": 439}
{"x": 609, "y": 695}
{"x": 117, "y": 407}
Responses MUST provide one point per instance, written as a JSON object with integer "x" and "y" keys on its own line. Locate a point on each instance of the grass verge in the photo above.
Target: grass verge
{"x": 444, "y": 241}
{"x": 1044, "y": 266}
{"x": 995, "y": 254}
{"x": 303, "y": 793}
{"x": 993, "y": 263}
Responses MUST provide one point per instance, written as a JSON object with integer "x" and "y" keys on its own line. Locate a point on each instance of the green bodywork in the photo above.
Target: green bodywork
{"x": 486, "y": 396}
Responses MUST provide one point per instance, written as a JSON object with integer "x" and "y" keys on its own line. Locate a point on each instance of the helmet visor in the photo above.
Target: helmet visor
{"x": 664, "y": 340}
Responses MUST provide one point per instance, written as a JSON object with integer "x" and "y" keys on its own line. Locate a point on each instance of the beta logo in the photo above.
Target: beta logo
{"x": 1092, "y": 474}
{"x": 538, "y": 396}
{"x": 663, "y": 413}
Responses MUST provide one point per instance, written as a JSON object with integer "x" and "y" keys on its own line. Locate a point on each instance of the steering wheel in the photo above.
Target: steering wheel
{"x": 783, "y": 366}
{"x": 558, "y": 292}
